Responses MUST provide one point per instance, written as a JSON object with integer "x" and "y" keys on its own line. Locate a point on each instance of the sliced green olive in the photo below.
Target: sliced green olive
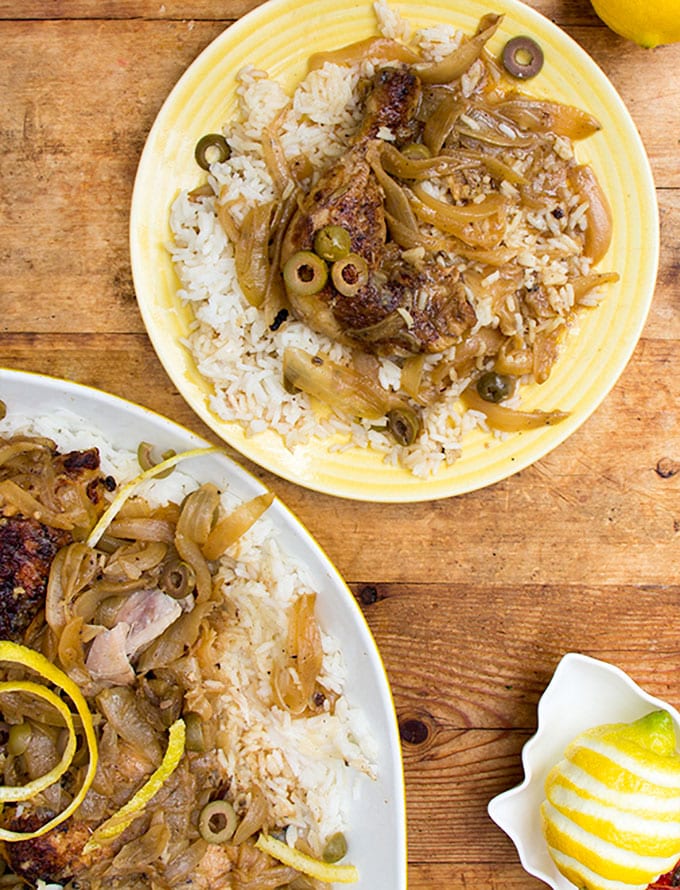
{"x": 211, "y": 149}
{"x": 305, "y": 273}
{"x": 193, "y": 724}
{"x": 178, "y": 579}
{"x": 349, "y": 274}
{"x": 493, "y": 387}
{"x": 522, "y": 57}
{"x": 416, "y": 151}
{"x": 19, "y": 738}
{"x": 146, "y": 458}
{"x": 3, "y": 410}
{"x": 332, "y": 243}
{"x": 335, "y": 848}
{"x": 217, "y": 822}
{"x": 404, "y": 424}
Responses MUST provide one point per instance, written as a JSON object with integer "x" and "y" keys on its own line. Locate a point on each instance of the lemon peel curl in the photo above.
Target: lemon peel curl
{"x": 15, "y": 653}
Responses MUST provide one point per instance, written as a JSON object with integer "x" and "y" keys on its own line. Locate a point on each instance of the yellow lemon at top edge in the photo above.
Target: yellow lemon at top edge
{"x": 611, "y": 818}
{"x": 648, "y": 24}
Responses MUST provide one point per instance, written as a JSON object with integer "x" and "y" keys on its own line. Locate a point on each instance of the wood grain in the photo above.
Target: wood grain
{"x": 472, "y": 600}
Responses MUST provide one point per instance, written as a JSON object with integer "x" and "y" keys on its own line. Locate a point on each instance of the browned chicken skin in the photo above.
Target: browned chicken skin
{"x": 422, "y": 307}
{"x": 54, "y": 856}
{"x": 27, "y": 548}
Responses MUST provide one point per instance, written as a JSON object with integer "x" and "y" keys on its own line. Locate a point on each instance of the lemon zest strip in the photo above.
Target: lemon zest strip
{"x": 35, "y": 661}
{"x": 314, "y": 868}
{"x": 26, "y": 792}
{"x": 116, "y": 824}
{"x": 127, "y": 490}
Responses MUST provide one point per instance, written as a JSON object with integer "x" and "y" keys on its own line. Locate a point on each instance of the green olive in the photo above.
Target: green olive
{"x": 305, "y": 273}
{"x": 493, "y": 387}
{"x": 178, "y": 579}
{"x": 349, "y": 274}
{"x": 3, "y": 410}
{"x": 147, "y": 460}
{"x": 19, "y": 738}
{"x": 404, "y": 424}
{"x": 336, "y": 848}
{"x": 217, "y": 822}
{"x": 211, "y": 149}
{"x": 416, "y": 151}
{"x": 332, "y": 243}
{"x": 193, "y": 724}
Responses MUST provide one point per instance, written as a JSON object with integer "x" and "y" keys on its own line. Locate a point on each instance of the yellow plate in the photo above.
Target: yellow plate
{"x": 279, "y": 36}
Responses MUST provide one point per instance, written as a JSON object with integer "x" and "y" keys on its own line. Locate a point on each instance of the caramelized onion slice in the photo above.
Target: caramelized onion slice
{"x": 454, "y": 65}
{"x": 254, "y": 817}
{"x": 251, "y": 253}
{"x": 400, "y": 164}
{"x": 442, "y": 121}
{"x": 598, "y": 215}
{"x": 233, "y": 526}
{"x": 23, "y": 502}
{"x": 509, "y": 420}
{"x": 544, "y": 116}
{"x": 477, "y": 225}
{"x": 72, "y": 568}
{"x": 340, "y": 387}
{"x": 294, "y": 679}
{"x": 198, "y": 513}
{"x": 379, "y": 48}
{"x": 586, "y": 283}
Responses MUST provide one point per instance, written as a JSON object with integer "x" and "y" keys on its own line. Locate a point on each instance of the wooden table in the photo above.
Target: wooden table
{"x": 489, "y": 590}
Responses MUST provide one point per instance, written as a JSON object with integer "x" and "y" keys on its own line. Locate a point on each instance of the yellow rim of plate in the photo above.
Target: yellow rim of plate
{"x": 278, "y": 36}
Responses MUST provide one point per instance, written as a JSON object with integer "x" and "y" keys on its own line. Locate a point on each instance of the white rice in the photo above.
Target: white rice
{"x": 310, "y": 769}
{"x": 232, "y": 346}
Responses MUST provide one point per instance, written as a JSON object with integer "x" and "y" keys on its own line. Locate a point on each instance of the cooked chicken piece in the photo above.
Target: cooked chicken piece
{"x": 419, "y": 308}
{"x": 107, "y": 659}
{"x": 239, "y": 868}
{"x": 147, "y": 613}
{"x": 54, "y": 857}
{"x": 141, "y": 619}
{"x": 27, "y": 548}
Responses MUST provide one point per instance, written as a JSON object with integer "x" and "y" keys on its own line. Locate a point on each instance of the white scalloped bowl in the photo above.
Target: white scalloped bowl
{"x": 583, "y": 692}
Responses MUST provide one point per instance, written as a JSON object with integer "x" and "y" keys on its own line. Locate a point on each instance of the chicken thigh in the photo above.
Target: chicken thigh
{"x": 404, "y": 306}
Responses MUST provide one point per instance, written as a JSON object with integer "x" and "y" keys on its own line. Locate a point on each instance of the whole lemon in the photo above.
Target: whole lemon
{"x": 648, "y": 24}
{"x": 611, "y": 817}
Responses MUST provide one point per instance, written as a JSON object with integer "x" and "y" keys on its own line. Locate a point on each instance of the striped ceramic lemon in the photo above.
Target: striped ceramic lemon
{"x": 612, "y": 814}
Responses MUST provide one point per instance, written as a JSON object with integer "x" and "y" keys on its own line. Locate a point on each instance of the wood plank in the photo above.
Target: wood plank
{"x": 449, "y": 784}
{"x": 475, "y": 656}
{"x": 609, "y": 481}
{"x": 69, "y": 150}
{"x": 574, "y": 12}
{"x": 150, "y": 10}
{"x": 641, "y": 78}
{"x": 506, "y": 875}
{"x": 88, "y": 359}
